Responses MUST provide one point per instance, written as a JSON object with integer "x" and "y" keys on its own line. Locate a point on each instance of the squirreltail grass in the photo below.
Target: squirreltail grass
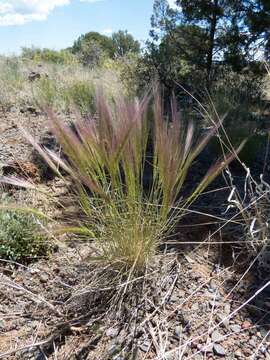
{"x": 109, "y": 156}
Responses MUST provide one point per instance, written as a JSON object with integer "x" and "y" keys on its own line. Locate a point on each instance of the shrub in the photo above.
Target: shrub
{"x": 21, "y": 238}
{"x": 11, "y": 80}
{"x": 253, "y": 205}
{"x": 109, "y": 157}
{"x": 38, "y": 55}
{"x": 237, "y": 95}
{"x": 80, "y": 94}
{"x": 46, "y": 92}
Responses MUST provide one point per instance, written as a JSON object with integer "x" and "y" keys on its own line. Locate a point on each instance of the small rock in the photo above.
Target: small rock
{"x": 145, "y": 346}
{"x": 213, "y": 285}
{"x": 227, "y": 309}
{"x": 208, "y": 348}
{"x": 221, "y": 317}
{"x": 114, "y": 349}
{"x": 236, "y": 328}
{"x": 44, "y": 278}
{"x": 238, "y": 353}
{"x": 213, "y": 304}
{"x": 219, "y": 350}
{"x": 246, "y": 324}
{"x": 181, "y": 293}
{"x": 112, "y": 332}
{"x": 2, "y": 324}
{"x": 195, "y": 306}
{"x": 216, "y": 336}
{"x": 252, "y": 342}
{"x": 264, "y": 332}
{"x": 174, "y": 298}
{"x": 178, "y": 331}
{"x": 263, "y": 349}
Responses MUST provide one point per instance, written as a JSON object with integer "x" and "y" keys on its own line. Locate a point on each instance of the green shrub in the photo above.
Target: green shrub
{"x": 38, "y": 55}
{"x": 80, "y": 95}
{"x": 11, "y": 81}
{"x": 21, "y": 238}
{"x": 239, "y": 96}
{"x": 46, "y": 92}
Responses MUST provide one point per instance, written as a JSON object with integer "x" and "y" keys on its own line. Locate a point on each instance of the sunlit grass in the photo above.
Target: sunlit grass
{"x": 109, "y": 156}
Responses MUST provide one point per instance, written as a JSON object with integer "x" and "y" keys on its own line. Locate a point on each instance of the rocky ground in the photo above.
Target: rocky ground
{"x": 195, "y": 302}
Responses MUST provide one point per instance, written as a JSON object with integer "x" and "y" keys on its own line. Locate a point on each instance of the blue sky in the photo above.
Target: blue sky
{"x": 57, "y": 23}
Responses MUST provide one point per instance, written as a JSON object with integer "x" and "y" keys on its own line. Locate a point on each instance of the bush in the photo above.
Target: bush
{"x": 11, "y": 80}
{"x": 109, "y": 158}
{"x": 38, "y": 55}
{"x": 21, "y": 238}
{"x": 80, "y": 94}
{"x": 253, "y": 205}
{"x": 46, "y": 92}
{"x": 239, "y": 96}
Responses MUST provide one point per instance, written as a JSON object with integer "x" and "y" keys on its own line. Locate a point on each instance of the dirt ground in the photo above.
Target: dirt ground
{"x": 195, "y": 302}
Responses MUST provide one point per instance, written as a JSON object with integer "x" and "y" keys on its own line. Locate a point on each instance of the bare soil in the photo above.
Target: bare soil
{"x": 195, "y": 302}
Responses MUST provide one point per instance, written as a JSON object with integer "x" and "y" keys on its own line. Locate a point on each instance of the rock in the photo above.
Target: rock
{"x": 112, "y": 332}
{"x": 178, "y": 331}
{"x": 33, "y": 75}
{"x": 44, "y": 278}
{"x": 253, "y": 342}
{"x": 195, "y": 307}
{"x": 238, "y": 353}
{"x": 114, "y": 349}
{"x": 264, "y": 332}
{"x": 236, "y": 328}
{"x": 174, "y": 298}
{"x": 219, "y": 350}
{"x": 216, "y": 336}
{"x": 246, "y": 324}
{"x": 221, "y": 317}
{"x": 227, "y": 309}
{"x": 213, "y": 285}
{"x": 181, "y": 294}
{"x": 145, "y": 346}
{"x": 208, "y": 348}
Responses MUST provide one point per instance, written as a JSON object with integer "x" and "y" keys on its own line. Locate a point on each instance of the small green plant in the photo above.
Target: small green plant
{"x": 46, "y": 93}
{"x": 21, "y": 238}
{"x": 80, "y": 95}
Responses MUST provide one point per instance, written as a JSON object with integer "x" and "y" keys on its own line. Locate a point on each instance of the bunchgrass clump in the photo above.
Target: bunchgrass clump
{"x": 21, "y": 237}
{"x": 109, "y": 157}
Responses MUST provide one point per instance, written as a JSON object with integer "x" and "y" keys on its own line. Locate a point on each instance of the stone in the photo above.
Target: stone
{"x": 216, "y": 336}
{"x": 181, "y": 294}
{"x": 112, "y": 332}
{"x": 236, "y": 328}
{"x": 114, "y": 349}
{"x": 213, "y": 285}
{"x": 227, "y": 309}
{"x": 246, "y": 324}
{"x": 33, "y": 75}
{"x": 178, "y": 331}
{"x": 44, "y": 278}
{"x": 219, "y": 350}
{"x": 145, "y": 346}
{"x": 195, "y": 307}
{"x": 238, "y": 353}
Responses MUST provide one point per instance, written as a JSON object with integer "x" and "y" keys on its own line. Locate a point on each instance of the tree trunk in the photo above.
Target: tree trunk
{"x": 213, "y": 27}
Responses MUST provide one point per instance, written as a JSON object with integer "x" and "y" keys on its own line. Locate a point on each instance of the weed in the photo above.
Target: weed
{"x": 107, "y": 158}
{"x": 21, "y": 237}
